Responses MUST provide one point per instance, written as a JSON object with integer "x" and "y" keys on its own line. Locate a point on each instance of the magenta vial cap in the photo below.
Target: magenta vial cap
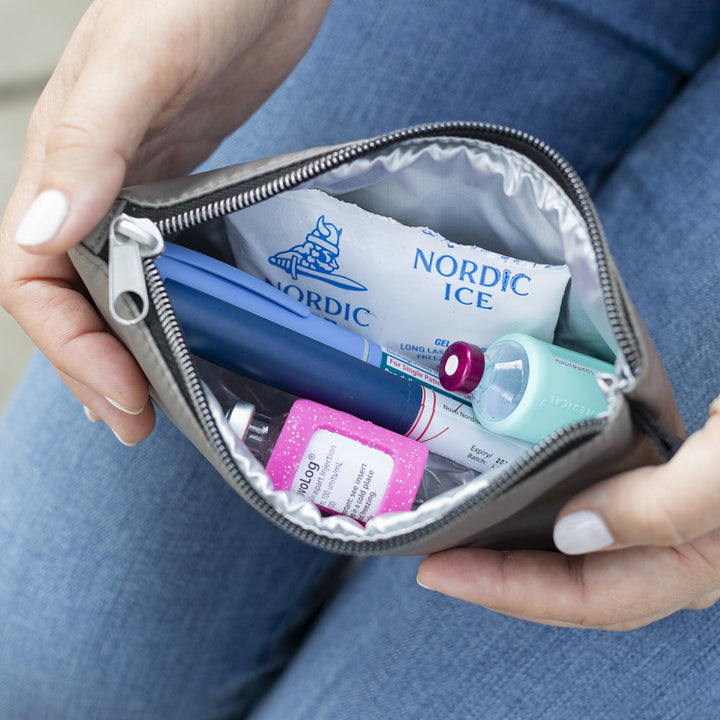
{"x": 461, "y": 367}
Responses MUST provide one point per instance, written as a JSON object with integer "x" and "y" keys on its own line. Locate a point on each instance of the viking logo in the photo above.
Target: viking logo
{"x": 316, "y": 257}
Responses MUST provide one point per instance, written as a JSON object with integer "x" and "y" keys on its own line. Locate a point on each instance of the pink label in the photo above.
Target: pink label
{"x": 345, "y": 465}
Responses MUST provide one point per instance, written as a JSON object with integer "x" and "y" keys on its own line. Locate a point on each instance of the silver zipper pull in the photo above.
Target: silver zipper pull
{"x": 613, "y": 386}
{"x": 131, "y": 240}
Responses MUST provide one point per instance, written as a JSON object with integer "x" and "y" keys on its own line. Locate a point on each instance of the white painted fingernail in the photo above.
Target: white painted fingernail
{"x": 421, "y": 584}
{"x": 117, "y": 405}
{"x": 581, "y": 532}
{"x": 124, "y": 442}
{"x": 90, "y": 415}
{"x": 43, "y": 218}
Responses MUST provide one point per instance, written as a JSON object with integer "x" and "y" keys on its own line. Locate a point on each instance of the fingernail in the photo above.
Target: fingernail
{"x": 90, "y": 415}
{"x": 117, "y": 405}
{"x": 421, "y": 583}
{"x": 43, "y": 218}
{"x": 581, "y": 532}
{"x": 124, "y": 442}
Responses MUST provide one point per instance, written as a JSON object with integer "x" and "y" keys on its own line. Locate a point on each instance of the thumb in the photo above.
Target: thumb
{"x": 665, "y": 505}
{"x": 85, "y": 156}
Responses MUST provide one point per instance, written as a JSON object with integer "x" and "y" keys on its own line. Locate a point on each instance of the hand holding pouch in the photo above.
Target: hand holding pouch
{"x": 476, "y": 184}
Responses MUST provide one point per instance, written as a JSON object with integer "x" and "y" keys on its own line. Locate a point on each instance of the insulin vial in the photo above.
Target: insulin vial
{"x": 343, "y": 465}
{"x": 523, "y": 387}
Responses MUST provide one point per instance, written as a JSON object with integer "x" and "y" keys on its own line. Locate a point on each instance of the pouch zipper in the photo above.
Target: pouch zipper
{"x": 129, "y": 241}
{"x": 147, "y": 233}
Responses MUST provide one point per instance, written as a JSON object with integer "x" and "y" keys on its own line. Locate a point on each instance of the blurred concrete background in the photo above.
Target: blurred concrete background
{"x": 33, "y": 34}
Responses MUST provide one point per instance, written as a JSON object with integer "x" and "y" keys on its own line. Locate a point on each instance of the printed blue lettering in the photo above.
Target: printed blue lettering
{"x": 505, "y": 279}
{"x": 313, "y": 300}
{"x": 332, "y": 306}
{"x": 453, "y": 266}
{"x": 356, "y": 316}
{"x": 466, "y": 296}
{"x": 467, "y": 271}
{"x": 419, "y": 255}
{"x": 515, "y": 280}
{"x": 326, "y": 305}
{"x": 412, "y": 348}
{"x": 464, "y": 290}
{"x": 484, "y": 281}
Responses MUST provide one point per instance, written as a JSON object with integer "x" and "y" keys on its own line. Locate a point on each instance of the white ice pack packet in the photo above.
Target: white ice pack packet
{"x": 405, "y": 288}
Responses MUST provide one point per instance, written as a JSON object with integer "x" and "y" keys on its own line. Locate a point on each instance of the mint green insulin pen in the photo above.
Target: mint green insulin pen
{"x": 525, "y": 388}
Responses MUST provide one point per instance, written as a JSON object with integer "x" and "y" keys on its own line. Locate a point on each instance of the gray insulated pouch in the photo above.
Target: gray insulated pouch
{"x": 473, "y": 183}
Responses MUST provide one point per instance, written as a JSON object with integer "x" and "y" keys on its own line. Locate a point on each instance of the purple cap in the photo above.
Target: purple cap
{"x": 461, "y": 367}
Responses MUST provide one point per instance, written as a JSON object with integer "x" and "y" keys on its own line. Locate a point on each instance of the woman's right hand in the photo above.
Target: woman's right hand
{"x": 143, "y": 91}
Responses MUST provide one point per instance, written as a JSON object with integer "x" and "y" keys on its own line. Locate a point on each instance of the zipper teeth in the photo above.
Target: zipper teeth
{"x": 617, "y": 319}
{"x": 556, "y": 443}
{"x": 178, "y": 347}
{"x": 553, "y": 445}
{"x": 616, "y": 316}
{"x": 615, "y": 310}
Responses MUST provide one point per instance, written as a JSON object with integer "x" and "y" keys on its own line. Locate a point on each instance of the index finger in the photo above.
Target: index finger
{"x": 43, "y": 295}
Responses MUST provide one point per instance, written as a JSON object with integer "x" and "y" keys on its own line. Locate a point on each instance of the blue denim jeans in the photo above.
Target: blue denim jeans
{"x": 135, "y": 584}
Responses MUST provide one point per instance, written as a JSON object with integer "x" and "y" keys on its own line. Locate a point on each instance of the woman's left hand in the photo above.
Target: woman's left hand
{"x": 635, "y": 548}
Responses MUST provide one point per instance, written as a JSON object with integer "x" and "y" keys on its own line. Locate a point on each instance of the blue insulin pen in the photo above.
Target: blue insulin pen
{"x": 244, "y": 324}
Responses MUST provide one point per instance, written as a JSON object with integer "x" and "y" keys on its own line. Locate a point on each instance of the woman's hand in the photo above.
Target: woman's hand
{"x": 637, "y": 547}
{"x": 143, "y": 91}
